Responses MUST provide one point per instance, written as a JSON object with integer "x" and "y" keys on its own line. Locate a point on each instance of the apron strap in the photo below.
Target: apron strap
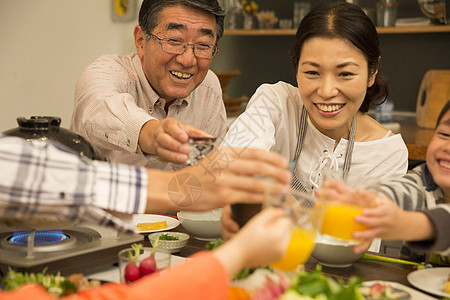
{"x": 296, "y": 184}
{"x": 349, "y": 152}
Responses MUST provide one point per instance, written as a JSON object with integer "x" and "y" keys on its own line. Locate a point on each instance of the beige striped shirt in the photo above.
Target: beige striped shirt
{"x": 113, "y": 100}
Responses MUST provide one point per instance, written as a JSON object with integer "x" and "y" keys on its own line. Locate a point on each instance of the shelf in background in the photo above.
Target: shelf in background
{"x": 381, "y": 30}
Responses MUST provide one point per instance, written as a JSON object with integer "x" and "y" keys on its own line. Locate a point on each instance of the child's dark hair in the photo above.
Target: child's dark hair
{"x": 444, "y": 110}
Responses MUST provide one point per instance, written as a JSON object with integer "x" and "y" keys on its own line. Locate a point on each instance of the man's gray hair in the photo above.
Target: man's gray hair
{"x": 149, "y": 14}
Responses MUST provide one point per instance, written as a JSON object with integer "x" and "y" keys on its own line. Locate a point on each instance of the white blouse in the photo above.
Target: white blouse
{"x": 270, "y": 122}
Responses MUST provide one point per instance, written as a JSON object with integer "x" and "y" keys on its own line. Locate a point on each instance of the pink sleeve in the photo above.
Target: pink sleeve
{"x": 200, "y": 277}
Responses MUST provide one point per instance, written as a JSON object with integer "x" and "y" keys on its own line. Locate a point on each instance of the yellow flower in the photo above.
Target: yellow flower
{"x": 249, "y": 7}
{"x": 254, "y": 6}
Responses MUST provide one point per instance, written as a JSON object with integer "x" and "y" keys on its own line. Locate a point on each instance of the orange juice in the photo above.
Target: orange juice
{"x": 300, "y": 247}
{"x": 339, "y": 220}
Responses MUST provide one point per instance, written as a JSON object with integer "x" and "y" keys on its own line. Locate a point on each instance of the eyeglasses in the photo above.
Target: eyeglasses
{"x": 175, "y": 46}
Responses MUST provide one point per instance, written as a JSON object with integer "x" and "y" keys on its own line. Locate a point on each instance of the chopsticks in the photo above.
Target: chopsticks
{"x": 388, "y": 259}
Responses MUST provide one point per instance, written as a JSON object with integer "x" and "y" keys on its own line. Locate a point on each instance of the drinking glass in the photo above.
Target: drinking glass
{"x": 301, "y": 9}
{"x": 306, "y": 219}
{"x": 162, "y": 259}
{"x": 339, "y": 220}
{"x": 198, "y": 148}
{"x": 386, "y": 13}
{"x": 339, "y": 213}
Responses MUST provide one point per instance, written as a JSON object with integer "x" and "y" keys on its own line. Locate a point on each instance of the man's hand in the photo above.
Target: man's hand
{"x": 225, "y": 176}
{"x": 168, "y": 139}
{"x": 233, "y": 175}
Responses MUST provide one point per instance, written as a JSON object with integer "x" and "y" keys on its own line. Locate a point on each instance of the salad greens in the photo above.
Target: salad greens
{"x": 317, "y": 285}
{"x": 56, "y": 285}
{"x": 211, "y": 245}
{"x": 167, "y": 237}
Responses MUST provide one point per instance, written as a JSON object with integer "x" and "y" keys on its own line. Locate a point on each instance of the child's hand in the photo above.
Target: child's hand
{"x": 333, "y": 190}
{"x": 383, "y": 220}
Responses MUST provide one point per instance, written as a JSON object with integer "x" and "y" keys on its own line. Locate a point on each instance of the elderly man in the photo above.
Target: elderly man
{"x": 141, "y": 108}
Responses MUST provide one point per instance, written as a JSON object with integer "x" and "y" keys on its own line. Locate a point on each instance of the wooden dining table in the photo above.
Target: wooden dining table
{"x": 366, "y": 269}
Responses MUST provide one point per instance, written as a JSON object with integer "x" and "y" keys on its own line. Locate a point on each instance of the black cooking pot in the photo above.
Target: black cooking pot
{"x": 48, "y": 128}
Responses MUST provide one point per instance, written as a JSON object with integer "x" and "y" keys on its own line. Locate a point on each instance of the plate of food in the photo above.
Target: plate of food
{"x": 374, "y": 290}
{"x": 146, "y": 223}
{"x": 431, "y": 280}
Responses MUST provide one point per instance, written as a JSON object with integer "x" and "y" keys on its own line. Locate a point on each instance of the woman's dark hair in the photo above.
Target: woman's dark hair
{"x": 151, "y": 10}
{"x": 444, "y": 110}
{"x": 347, "y": 21}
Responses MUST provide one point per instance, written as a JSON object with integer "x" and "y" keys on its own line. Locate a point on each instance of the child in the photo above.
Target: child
{"x": 426, "y": 188}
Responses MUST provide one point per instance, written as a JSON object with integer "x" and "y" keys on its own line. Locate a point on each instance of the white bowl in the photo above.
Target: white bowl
{"x": 172, "y": 246}
{"x": 204, "y": 226}
{"x": 331, "y": 252}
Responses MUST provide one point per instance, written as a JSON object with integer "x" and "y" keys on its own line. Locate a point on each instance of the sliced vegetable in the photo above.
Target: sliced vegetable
{"x": 56, "y": 285}
{"x": 237, "y": 293}
{"x": 211, "y": 245}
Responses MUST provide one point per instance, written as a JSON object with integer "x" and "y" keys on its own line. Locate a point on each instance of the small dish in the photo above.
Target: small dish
{"x": 146, "y": 218}
{"x": 173, "y": 246}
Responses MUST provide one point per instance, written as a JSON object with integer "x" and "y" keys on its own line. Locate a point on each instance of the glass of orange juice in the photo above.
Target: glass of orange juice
{"x": 306, "y": 220}
{"x": 341, "y": 208}
{"x": 339, "y": 220}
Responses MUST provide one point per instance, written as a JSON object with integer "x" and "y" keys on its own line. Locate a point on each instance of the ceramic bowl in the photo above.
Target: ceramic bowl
{"x": 335, "y": 253}
{"x": 204, "y": 226}
{"x": 172, "y": 246}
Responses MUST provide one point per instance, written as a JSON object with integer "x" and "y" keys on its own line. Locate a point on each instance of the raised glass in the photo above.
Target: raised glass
{"x": 198, "y": 148}
{"x": 306, "y": 218}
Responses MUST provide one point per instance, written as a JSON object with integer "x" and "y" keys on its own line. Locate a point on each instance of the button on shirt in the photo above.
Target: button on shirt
{"x": 113, "y": 100}
{"x": 47, "y": 181}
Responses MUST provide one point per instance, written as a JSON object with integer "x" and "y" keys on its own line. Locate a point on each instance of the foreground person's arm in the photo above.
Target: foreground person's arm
{"x": 205, "y": 276}
{"x": 61, "y": 186}
{"x": 224, "y": 176}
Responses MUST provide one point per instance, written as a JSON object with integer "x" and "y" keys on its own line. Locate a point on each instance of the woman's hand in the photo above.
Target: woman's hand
{"x": 264, "y": 239}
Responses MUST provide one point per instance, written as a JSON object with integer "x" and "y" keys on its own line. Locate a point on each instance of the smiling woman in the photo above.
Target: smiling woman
{"x": 322, "y": 126}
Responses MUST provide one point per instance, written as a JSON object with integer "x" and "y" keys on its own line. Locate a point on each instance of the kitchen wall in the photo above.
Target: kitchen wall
{"x": 44, "y": 45}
